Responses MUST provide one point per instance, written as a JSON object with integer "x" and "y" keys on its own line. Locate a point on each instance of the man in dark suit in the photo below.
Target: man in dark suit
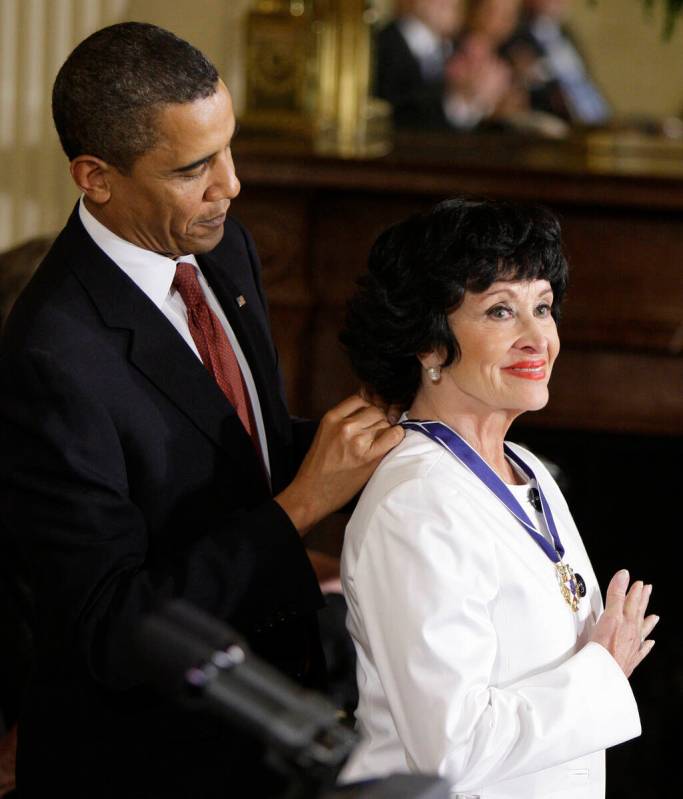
{"x": 430, "y": 84}
{"x": 145, "y": 447}
{"x": 410, "y": 70}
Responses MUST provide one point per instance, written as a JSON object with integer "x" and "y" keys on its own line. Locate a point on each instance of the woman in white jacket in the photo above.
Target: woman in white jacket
{"x": 484, "y": 654}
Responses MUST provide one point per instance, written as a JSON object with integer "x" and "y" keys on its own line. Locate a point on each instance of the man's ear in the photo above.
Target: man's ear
{"x": 93, "y": 176}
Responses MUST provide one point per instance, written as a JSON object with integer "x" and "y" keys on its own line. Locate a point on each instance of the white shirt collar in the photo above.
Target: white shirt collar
{"x": 422, "y": 41}
{"x": 152, "y": 273}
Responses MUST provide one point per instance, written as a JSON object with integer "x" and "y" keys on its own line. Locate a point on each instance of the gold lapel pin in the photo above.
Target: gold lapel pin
{"x": 241, "y": 301}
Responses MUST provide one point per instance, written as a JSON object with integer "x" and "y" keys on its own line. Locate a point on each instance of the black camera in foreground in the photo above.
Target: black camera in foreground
{"x": 209, "y": 667}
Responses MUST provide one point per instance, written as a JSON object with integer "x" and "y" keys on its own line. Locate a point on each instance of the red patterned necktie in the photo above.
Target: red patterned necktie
{"x": 214, "y": 346}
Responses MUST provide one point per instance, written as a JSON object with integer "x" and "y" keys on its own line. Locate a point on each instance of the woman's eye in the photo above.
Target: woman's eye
{"x": 499, "y": 312}
{"x": 543, "y": 309}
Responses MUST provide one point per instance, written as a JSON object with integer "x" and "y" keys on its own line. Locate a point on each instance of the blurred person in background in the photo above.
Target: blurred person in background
{"x": 432, "y": 83}
{"x": 546, "y": 56}
{"x": 488, "y": 26}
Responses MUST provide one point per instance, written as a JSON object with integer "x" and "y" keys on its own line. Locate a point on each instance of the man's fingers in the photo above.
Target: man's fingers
{"x": 365, "y": 417}
{"x": 346, "y": 407}
{"x": 387, "y": 440}
{"x": 394, "y": 413}
{"x": 365, "y": 398}
{"x": 377, "y": 427}
{"x": 616, "y": 591}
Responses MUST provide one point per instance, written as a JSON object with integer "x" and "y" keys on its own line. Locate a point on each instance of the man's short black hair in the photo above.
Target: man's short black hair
{"x": 109, "y": 90}
{"x": 418, "y": 273}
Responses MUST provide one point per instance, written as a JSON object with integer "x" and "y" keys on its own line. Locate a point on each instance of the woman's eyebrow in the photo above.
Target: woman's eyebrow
{"x": 510, "y": 292}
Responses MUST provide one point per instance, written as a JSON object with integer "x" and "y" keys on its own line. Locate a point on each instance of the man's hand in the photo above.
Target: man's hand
{"x": 351, "y": 440}
{"x": 623, "y": 629}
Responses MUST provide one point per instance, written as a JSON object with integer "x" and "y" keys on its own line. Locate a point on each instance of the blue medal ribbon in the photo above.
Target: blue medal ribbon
{"x": 470, "y": 458}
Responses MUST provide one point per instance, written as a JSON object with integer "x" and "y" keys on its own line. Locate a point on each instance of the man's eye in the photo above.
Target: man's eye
{"x": 196, "y": 173}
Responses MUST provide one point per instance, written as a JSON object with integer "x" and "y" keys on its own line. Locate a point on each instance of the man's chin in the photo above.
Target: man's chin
{"x": 209, "y": 240}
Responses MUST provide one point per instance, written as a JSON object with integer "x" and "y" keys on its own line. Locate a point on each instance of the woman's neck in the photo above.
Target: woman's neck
{"x": 484, "y": 431}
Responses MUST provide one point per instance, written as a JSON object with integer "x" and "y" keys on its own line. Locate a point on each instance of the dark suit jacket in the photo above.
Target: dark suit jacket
{"x": 126, "y": 478}
{"x": 417, "y": 103}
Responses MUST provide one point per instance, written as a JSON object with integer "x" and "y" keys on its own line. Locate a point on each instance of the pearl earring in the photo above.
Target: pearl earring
{"x": 434, "y": 373}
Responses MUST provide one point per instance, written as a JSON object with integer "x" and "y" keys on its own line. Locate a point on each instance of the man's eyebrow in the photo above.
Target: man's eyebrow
{"x": 194, "y": 164}
{"x": 189, "y": 167}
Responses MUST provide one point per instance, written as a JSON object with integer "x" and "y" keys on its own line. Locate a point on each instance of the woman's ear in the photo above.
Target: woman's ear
{"x": 93, "y": 176}
{"x": 431, "y": 359}
{"x": 431, "y": 363}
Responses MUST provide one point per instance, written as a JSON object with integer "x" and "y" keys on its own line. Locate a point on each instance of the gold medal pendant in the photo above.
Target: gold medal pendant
{"x": 568, "y": 584}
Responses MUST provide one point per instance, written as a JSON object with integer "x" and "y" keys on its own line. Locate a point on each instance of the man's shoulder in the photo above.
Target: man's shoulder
{"x": 55, "y": 307}
{"x": 390, "y": 38}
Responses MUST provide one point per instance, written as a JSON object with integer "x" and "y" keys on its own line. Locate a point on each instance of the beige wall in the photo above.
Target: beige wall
{"x": 35, "y": 38}
{"x": 212, "y": 25}
{"x": 638, "y": 71}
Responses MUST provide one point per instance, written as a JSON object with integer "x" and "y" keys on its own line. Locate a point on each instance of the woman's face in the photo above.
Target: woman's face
{"x": 508, "y": 343}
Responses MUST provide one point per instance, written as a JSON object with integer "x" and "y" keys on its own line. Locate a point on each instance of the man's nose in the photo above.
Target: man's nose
{"x": 225, "y": 183}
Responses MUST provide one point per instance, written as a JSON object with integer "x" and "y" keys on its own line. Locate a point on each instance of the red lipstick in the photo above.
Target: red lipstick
{"x": 527, "y": 370}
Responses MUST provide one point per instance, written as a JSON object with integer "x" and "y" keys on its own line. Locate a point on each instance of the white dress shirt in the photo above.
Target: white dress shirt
{"x": 470, "y": 663}
{"x": 153, "y": 274}
{"x": 430, "y": 50}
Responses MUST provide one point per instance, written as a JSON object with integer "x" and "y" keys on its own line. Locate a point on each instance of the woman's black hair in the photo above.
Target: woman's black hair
{"x": 418, "y": 273}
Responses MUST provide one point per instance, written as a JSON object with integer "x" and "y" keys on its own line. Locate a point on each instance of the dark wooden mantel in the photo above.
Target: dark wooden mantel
{"x": 620, "y": 200}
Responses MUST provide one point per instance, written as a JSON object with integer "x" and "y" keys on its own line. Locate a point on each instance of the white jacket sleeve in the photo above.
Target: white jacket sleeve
{"x": 423, "y": 586}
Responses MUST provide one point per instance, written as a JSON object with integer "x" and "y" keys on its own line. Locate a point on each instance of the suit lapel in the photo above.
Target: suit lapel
{"x": 156, "y": 349}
